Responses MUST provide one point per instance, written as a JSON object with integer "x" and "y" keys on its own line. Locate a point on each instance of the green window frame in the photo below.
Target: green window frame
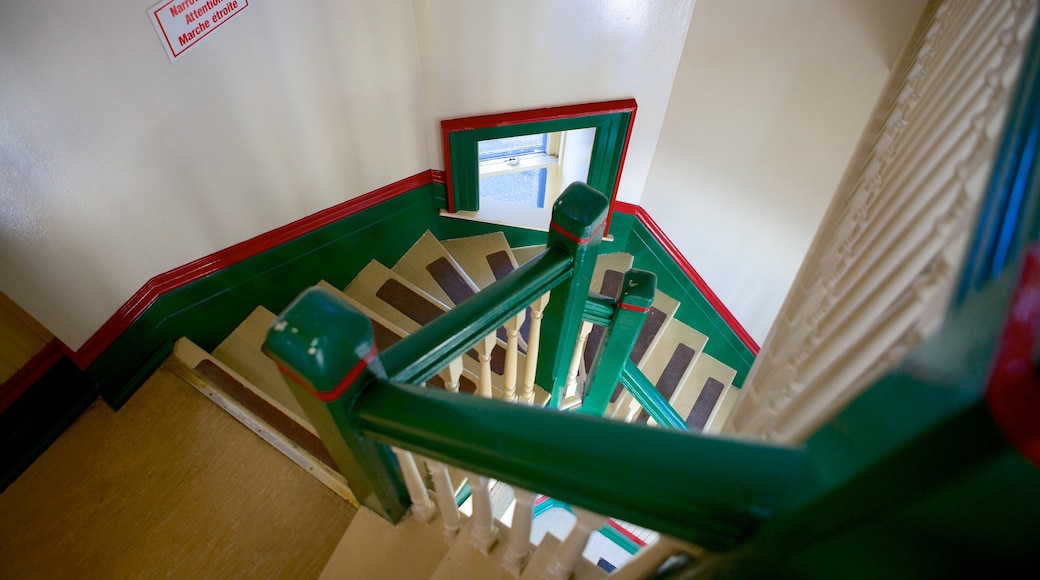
{"x": 612, "y": 120}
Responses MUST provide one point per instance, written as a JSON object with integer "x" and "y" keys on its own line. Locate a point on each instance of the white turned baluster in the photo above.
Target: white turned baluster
{"x": 520, "y": 534}
{"x": 569, "y": 553}
{"x": 512, "y": 348}
{"x": 650, "y": 558}
{"x": 422, "y": 506}
{"x": 579, "y": 349}
{"x": 537, "y": 310}
{"x": 483, "y": 532}
{"x": 484, "y": 348}
{"x": 452, "y": 374}
{"x": 445, "y": 494}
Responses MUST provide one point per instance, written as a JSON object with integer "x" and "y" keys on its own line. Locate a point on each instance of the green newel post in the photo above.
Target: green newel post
{"x": 637, "y": 293}
{"x": 326, "y": 352}
{"x": 577, "y": 227}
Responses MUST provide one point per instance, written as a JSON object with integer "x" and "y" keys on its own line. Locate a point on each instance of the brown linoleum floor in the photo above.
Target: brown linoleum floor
{"x": 170, "y": 486}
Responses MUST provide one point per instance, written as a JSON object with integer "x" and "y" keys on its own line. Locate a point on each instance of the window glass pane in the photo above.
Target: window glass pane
{"x": 519, "y": 187}
{"x": 510, "y": 146}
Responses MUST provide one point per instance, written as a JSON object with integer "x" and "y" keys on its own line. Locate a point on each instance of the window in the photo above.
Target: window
{"x": 519, "y": 170}
{"x": 509, "y": 168}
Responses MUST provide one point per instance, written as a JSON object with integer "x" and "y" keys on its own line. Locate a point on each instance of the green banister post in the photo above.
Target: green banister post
{"x": 578, "y": 218}
{"x": 326, "y": 352}
{"x": 637, "y": 293}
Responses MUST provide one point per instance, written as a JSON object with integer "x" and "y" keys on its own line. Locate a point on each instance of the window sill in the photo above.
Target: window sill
{"x": 509, "y": 214}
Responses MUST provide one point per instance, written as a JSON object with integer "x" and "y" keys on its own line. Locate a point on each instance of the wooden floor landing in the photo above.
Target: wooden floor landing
{"x": 169, "y": 486}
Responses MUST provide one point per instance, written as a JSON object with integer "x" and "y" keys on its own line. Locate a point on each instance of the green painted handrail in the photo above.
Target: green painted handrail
{"x": 709, "y": 491}
{"x": 599, "y": 309}
{"x": 637, "y": 293}
{"x": 650, "y": 398}
{"x": 421, "y": 355}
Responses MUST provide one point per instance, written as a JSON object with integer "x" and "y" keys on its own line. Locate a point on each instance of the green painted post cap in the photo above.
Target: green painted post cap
{"x": 637, "y": 290}
{"x": 579, "y": 213}
{"x": 323, "y": 341}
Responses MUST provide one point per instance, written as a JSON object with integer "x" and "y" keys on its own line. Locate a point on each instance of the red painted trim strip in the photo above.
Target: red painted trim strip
{"x": 538, "y": 115}
{"x": 580, "y": 241}
{"x": 633, "y": 308}
{"x": 24, "y": 378}
{"x": 343, "y": 385}
{"x": 1013, "y": 391}
{"x": 674, "y": 253}
{"x": 621, "y": 168}
{"x": 639, "y": 542}
{"x": 183, "y": 275}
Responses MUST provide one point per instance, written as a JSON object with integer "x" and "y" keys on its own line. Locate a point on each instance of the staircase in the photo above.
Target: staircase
{"x": 429, "y": 279}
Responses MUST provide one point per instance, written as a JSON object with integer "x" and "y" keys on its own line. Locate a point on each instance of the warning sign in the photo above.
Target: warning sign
{"x": 183, "y": 23}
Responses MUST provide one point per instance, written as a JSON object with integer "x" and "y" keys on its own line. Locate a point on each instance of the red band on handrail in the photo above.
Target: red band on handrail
{"x": 633, "y": 307}
{"x": 559, "y": 229}
{"x": 343, "y": 385}
{"x": 1013, "y": 392}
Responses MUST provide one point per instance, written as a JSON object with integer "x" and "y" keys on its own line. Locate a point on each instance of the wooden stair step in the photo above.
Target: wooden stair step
{"x": 699, "y": 394}
{"x": 387, "y": 334}
{"x": 386, "y": 293}
{"x": 482, "y": 256}
{"x": 670, "y": 361}
{"x": 430, "y": 266}
{"x": 544, "y": 554}
{"x": 293, "y": 436}
{"x": 463, "y": 560}
{"x": 240, "y": 351}
{"x": 722, "y": 410}
{"x": 523, "y": 254}
{"x": 372, "y": 547}
{"x": 407, "y": 307}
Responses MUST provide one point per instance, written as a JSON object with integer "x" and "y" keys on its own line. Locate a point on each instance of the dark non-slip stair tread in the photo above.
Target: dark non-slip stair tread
{"x": 706, "y": 402}
{"x": 449, "y": 280}
{"x": 275, "y": 419}
{"x": 672, "y": 375}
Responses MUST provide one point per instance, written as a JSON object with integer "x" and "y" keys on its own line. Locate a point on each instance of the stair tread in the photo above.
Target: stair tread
{"x": 372, "y": 547}
{"x": 706, "y": 367}
{"x": 544, "y": 554}
{"x": 463, "y": 560}
{"x": 430, "y": 266}
{"x": 618, "y": 262}
{"x": 366, "y": 285}
{"x": 240, "y": 352}
{"x": 722, "y": 410}
{"x": 669, "y": 362}
{"x": 523, "y": 254}
{"x": 472, "y": 254}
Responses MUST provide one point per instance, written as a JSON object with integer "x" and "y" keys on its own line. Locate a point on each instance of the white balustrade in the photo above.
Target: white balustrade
{"x": 520, "y": 535}
{"x": 571, "y": 386}
{"x": 483, "y": 531}
{"x": 422, "y": 506}
{"x": 881, "y": 268}
{"x": 444, "y": 491}
{"x": 537, "y": 311}
{"x": 512, "y": 327}
{"x": 484, "y": 349}
{"x": 452, "y": 375}
{"x": 569, "y": 553}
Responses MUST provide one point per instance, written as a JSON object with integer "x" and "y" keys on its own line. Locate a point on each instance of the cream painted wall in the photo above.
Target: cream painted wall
{"x": 116, "y": 165}
{"x": 481, "y": 56}
{"x": 768, "y": 104}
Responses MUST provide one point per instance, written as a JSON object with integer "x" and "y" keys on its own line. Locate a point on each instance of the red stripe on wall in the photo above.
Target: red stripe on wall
{"x": 188, "y": 273}
{"x": 673, "y": 252}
